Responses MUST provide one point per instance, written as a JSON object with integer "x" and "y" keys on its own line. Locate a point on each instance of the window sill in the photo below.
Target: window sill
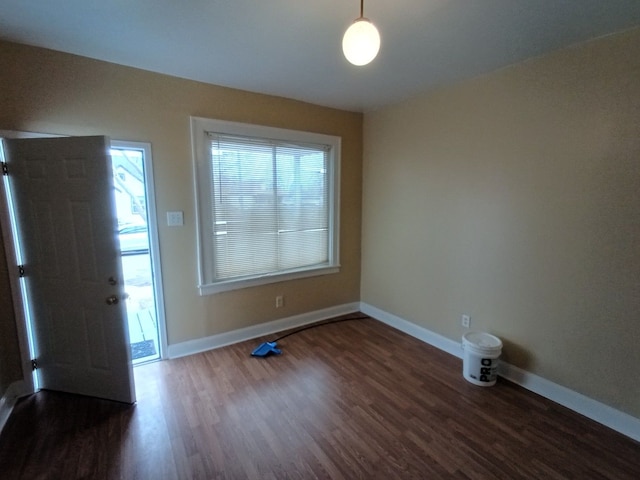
{"x": 226, "y": 286}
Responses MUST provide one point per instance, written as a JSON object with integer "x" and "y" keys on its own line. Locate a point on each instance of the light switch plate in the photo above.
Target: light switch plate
{"x": 175, "y": 219}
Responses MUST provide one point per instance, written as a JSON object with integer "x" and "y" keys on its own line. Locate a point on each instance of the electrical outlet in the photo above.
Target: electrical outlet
{"x": 466, "y": 321}
{"x": 279, "y": 301}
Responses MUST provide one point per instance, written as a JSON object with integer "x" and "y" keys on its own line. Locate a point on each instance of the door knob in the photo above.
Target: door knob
{"x": 112, "y": 300}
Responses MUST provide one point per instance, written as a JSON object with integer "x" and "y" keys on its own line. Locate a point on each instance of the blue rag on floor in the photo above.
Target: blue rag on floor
{"x": 267, "y": 348}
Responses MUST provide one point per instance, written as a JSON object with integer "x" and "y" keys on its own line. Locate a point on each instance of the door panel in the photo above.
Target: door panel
{"x": 63, "y": 196}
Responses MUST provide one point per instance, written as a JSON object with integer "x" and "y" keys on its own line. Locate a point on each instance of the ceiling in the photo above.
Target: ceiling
{"x": 292, "y": 48}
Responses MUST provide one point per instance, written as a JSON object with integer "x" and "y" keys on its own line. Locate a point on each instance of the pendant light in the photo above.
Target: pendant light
{"x": 361, "y": 41}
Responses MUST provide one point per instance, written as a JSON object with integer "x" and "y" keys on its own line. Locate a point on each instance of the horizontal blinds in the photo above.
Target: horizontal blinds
{"x": 270, "y": 206}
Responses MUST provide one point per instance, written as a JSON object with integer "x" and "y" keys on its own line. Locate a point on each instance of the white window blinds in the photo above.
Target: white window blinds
{"x": 270, "y": 206}
{"x": 267, "y": 204}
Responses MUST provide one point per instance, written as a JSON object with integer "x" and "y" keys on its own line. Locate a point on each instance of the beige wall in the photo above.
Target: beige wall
{"x": 46, "y": 91}
{"x": 515, "y": 198}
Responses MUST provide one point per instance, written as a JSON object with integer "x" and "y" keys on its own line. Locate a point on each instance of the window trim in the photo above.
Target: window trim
{"x": 200, "y": 127}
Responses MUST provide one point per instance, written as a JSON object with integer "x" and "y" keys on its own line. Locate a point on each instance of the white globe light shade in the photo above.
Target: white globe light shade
{"x": 361, "y": 42}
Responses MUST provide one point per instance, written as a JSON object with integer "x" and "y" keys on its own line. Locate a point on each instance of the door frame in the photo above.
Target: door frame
{"x": 22, "y": 319}
{"x": 152, "y": 230}
{"x": 12, "y": 253}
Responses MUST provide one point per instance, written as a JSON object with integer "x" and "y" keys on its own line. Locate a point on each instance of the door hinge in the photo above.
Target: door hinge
{"x": 5, "y": 169}
{"x": 21, "y": 271}
{"x": 34, "y": 364}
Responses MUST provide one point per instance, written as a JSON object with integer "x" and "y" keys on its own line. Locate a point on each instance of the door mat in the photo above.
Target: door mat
{"x": 146, "y": 348}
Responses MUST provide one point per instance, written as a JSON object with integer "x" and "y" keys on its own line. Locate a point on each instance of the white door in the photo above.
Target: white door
{"x": 62, "y": 191}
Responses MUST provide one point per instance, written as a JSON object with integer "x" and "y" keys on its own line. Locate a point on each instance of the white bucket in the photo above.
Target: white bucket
{"x": 480, "y": 359}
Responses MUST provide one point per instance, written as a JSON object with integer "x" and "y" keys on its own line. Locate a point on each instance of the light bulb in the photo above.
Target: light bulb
{"x": 361, "y": 42}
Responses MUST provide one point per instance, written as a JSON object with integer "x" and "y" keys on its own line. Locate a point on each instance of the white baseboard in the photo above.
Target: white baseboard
{"x": 7, "y": 402}
{"x": 596, "y": 411}
{"x": 410, "y": 328}
{"x": 615, "y": 419}
{"x": 223, "y": 339}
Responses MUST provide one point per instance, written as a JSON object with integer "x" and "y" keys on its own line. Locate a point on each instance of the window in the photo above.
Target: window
{"x": 267, "y": 204}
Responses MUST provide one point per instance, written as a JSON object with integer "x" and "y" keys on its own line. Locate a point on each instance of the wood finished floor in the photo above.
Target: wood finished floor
{"x": 344, "y": 401}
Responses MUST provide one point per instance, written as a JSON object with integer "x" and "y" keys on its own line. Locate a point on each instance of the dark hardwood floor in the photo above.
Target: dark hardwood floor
{"x": 350, "y": 400}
